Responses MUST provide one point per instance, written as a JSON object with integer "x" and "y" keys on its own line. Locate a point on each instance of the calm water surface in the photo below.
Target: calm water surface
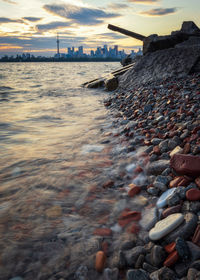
{"x": 52, "y": 152}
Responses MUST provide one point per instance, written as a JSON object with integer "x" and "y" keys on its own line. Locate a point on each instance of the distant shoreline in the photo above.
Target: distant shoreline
{"x": 62, "y": 60}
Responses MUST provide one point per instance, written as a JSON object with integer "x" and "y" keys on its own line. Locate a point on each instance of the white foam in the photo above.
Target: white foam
{"x": 92, "y": 149}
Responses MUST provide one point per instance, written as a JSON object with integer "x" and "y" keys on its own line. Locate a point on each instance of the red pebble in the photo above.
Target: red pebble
{"x": 186, "y": 164}
{"x": 100, "y": 261}
{"x": 133, "y": 191}
{"x": 171, "y": 210}
{"x": 127, "y": 217}
{"x": 102, "y": 231}
{"x": 186, "y": 148}
{"x": 134, "y": 228}
{"x": 138, "y": 169}
{"x": 171, "y": 259}
{"x": 197, "y": 181}
{"x": 108, "y": 184}
{"x": 156, "y": 150}
{"x": 193, "y": 194}
{"x": 196, "y": 236}
{"x": 170, "y": 247}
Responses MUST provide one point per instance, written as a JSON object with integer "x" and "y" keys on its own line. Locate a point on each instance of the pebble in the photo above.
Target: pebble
{"x": 173, "y": 199}
{"x": 162, "y": 201}
{"x": 158, "y": 255}
{"x": 110, "y": 274}
{"x": 186, "y": 164}
{"x": 103, "y": 232}
{"x": 133, "y": 254}
{"x": 170, "y": 247}
{"x": 171, "y": 210}
{"x": 163, "y": 273}
{"x": 191, "y": 275}
{"x": 156, "y": 168}
{"x": 177, "y": 150}
{"x": 137, "y": 274}
{"x": 81, "y": 273}
{"x": 185, "y": 230}
{"x": 182, "y": 248}
{"x": 196, "y": 236}
{"x": 165, "y": 226}
{"x": 54, "y": 212}
{"x": 133, "y": 191}
{"x": 193, "y": 194}
{"x": 100, "y": 261}
{"x": 171, "y": 259}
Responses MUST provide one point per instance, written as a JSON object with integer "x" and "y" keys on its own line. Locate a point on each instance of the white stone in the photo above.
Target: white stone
{"x": 130, "y": 167}
{"x": 177, "y": 150}
{"x": 162, "y": 201}
{"x": 165, "y": 226}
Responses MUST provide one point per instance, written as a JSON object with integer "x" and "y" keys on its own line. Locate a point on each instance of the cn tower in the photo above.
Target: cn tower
{"x": 58, "y": 42}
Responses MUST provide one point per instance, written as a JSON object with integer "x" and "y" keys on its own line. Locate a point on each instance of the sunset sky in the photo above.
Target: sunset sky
{"x": 31, "y": 25}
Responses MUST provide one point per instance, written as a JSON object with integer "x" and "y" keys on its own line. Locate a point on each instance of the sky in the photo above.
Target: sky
{"x": 31, "y": 25}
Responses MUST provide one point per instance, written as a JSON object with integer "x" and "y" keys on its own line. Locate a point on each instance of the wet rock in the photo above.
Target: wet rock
{"x": 163, "y": 273}
{"x": 193, "y": 194}
{"x": 165, "y": 226}
{"x": 110, "y": 274}
{"x": 139, "y": 261}
{"x": 153, "y": 191}
{"x": 122, "y": 260}
{"x": 173, "y": 199}
{"x": 16, "y": 278}
{"x": 128, "y": 216}
{"x": 163, "y": 146}
{"x": 128, "y": 245}
{"x": 100, "y": 261}
{"x": 182, "y": 248}
{"x": 191, "y": 275}
{"x": 158, "y": 255}
{"x": 185, "y": 230}
{"x": 81, "y": 273}
{"x": 111, "y": 83}
{"x": 181, "y": 268}
{"x": 133, "y": 254}
{"x": 156, "y": 141}
{"x": 194, "y": 251}
{"x": 186, "y": 164}
{"x": 156, "y": 168}
{"x": 162, "y": 201}
{"x": 171, "y": 210}
{"x": 196, "y": 265}
{"x": 149, "y": 268}
{"x": 196, "y": 236}
{"x": 137, "y": 274}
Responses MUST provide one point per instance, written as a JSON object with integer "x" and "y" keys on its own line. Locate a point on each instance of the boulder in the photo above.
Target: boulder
{"x": 186, "y": 164}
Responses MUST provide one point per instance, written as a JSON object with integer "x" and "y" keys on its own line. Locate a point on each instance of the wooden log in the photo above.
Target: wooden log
{"x": 126, "y": 32}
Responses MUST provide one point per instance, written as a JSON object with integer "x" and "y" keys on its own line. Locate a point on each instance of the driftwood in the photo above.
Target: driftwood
{"x": 102, "y": 81}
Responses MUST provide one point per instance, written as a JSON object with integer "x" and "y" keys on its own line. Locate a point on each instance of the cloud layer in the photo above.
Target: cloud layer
{"x": 80, "y": 15}
{"x": 52, "y": 25}
{"x": 144, "y": 1}
{"x": 7, "y": 20}
{"x": 32, "y": 19}
{"x": 159, "y": 12}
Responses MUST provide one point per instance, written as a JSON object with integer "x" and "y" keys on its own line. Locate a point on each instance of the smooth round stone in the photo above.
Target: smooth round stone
{"x": 165, "y": 226}
{"x": 162, "y": 201}
{"x": 193, "y": 194}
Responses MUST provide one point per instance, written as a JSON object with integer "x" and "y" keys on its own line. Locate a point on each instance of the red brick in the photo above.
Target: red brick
{"x": 102, "y": 231}
{"x": 133, "y": 191}
{"x": 186, "y": 164}
{"x": 171, "y": 259}
{"x": 170, "y": 247}
{"x": 193, "y": 194}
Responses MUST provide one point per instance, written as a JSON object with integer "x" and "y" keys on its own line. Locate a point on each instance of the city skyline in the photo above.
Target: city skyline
{"x": 33, "y": 27}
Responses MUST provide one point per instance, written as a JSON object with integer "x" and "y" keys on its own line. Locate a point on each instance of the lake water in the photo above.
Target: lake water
{"x": 53, "y": 153}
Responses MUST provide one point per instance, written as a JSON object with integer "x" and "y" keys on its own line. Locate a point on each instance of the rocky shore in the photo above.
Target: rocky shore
{"x": 163, "y": 120}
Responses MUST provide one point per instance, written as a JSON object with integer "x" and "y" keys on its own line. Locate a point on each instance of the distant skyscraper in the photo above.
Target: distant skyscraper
{"x": 58, "y": 43}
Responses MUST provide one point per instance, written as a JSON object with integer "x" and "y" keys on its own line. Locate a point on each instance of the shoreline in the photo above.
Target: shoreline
{"x": 163, "y": 118}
